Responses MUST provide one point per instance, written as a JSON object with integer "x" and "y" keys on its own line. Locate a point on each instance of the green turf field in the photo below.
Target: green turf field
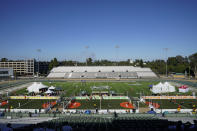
{"x": 168, "y": 104}
{"x": 132, "y": 88}
{"x": 105, "y": 104}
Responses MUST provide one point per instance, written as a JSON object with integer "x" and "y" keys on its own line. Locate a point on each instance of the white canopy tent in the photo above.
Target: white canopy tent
{"x": 49, "y": 92}
{"x": 163, "y": 88}
{"x": 170, "y": 87}
{"x": 42, "y": 85}
{"x": 35, "y": 87}
{"x": 52, "y": 88}
{"x": 183, "y": 89}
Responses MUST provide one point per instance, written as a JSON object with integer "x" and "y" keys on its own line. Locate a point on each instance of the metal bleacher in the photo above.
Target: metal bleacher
{"x": 101, "y": 72}
{"x": 146, "y": 74}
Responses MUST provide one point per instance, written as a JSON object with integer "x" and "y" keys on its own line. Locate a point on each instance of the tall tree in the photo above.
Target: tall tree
{"x": 193, "y": 62}
{"x": 4, "y": 59}
{"x": 89, "y": 61}
{"x": 53, "y": 63}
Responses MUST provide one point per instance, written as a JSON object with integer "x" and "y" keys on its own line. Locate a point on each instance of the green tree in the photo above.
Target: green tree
{"x": 53, "y": 63}
{"x": 89, "y": 61}
{"x": 193, "y": 63}
{"x": 141, "y": 63}
{"x": 4, "y": 59}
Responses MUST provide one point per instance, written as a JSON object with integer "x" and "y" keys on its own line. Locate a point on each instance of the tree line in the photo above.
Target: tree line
{"x": 177, "y": 64}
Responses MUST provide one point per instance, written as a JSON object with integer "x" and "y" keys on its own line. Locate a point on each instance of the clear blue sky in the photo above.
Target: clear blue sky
{"x": 62, "y": 28}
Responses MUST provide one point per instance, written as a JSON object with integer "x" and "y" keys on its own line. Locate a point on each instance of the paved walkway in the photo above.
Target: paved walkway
{"x": 25, "y": 121}
{"x": 183, "y": 119}
{"x": 4, "y": 91}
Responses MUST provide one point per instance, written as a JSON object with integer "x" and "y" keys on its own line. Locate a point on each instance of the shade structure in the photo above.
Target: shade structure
{"x": 35, "y": 87}
{"x": 183, "y": 89}
{"x": 49, "y": 92}
{"x": 163, "y": 88}
{"x": 151, "y": 112}
{"x": 41, "y": 86}
{"x": 87, "y": 112}
{"x": 51, "y": 88}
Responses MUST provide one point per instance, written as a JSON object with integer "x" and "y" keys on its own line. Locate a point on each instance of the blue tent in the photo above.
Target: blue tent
{"x": 87, "y": 112}
{"x": 150, "y": 86}
{"x": 151, "y": 112}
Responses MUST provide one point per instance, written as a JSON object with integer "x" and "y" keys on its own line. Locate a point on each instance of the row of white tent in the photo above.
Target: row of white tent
{"x": 37, "y": 86}
{"x": 163, "y": 88}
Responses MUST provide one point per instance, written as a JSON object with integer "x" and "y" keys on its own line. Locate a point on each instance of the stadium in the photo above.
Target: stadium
{"x": 98, "y": 65}
{"x": 103, "y": 97}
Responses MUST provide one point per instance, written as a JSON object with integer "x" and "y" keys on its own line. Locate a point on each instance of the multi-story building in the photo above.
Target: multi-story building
{"x": 6, "y": 73}
{"x": 24, "y": 67}
{"x": 42, "y": 67}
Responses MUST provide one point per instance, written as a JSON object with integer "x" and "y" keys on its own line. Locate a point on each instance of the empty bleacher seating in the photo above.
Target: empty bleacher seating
{"x": 96, "y": 122}
{"x": 101, "y": 72}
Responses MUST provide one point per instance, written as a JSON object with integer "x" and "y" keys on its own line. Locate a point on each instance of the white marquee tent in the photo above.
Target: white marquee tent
{"x": 183, "y": 89}
{"x": 52, "y": 88}
{"x": 35, "y": 87}
{"x": 49, "y": 92}
{"x": 163, "y": 88}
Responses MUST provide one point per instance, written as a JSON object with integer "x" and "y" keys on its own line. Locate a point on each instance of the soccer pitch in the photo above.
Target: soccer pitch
{"x": 124, "y": 88}
{"x": 133, "y": 88}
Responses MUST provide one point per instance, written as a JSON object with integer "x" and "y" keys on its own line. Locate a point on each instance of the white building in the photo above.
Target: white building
{"x": 6, "y": 73}
{"x": 24, "y": 67}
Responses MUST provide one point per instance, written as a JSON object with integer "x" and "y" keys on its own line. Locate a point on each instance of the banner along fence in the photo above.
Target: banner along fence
{"x": 169, "y": 97}
{"x": 34, "y": 97}
{"x": 103, "y": 97}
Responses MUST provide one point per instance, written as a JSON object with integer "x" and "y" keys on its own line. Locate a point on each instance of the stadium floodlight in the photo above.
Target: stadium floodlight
{"x": 166, "y": 50}
{"x": 117, "y": 47}
{"x": 87, "y": 47}
{"x": 39, "y": 51}
{"x": 189, "y": 67}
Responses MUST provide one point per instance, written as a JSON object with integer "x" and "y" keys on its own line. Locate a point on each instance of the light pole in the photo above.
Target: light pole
{"x": 38, "y": 50}
{"x": 189, "y": 67}
{"x": 86, "y": 47}
{"x": 166, "y": 50}
{"x": 138, "y": 107}
{"x": 117, "y": 47}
